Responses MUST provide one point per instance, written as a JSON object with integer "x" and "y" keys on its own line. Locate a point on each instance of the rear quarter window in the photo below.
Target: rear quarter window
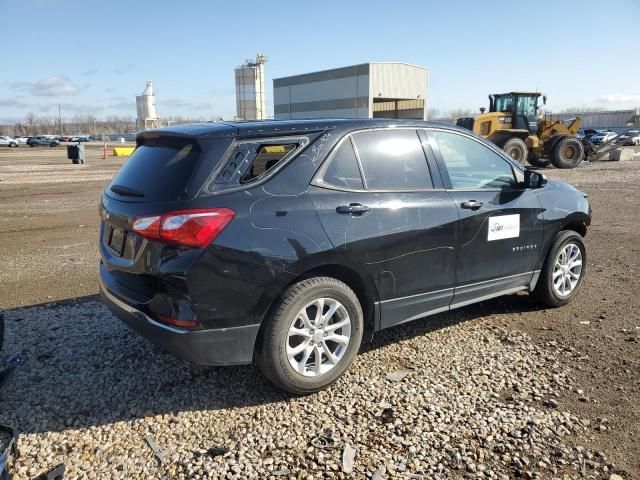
{"x": 253, "y": 160}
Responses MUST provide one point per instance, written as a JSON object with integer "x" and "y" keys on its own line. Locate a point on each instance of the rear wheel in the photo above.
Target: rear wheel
{"x": 536, "y": 161}
{"x": 516, "y": 149}
{"x": 312, "y": 337}
{"x": 563, "y": 270}
{"x": 567, "y": 153}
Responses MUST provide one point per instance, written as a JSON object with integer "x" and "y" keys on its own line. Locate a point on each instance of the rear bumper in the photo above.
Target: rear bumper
{"x": 222, "y": 346}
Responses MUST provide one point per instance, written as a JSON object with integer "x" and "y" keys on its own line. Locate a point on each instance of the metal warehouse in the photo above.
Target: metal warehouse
{"x": 375, "y": 89}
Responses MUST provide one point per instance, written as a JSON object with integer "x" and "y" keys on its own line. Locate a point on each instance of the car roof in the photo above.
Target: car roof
{"x": 283, "y": 127}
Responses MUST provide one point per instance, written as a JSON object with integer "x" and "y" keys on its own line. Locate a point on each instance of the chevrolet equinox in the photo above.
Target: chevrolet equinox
{"x": 286, "y": 243}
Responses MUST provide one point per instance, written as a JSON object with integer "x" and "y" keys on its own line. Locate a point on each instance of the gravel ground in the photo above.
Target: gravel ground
{"x": 500, "y": 389}
{"x": 477, "y": 400}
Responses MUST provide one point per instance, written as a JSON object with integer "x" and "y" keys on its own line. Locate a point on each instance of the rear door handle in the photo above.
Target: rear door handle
{"x": 353, "y": 208}
{"x": 472, "y": 205}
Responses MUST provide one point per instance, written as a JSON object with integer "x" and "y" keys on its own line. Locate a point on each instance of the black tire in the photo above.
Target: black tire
{"x": 537, "y": 162}
{"x": 567, "y": 153}
{"x": 516, "y": 149}
{"x": 32, "y": 144}
{"x": 271, "y": 356}
{"x": 1, "y": 330}
{"x": 13, "y": 144}
{"x": 545, "y": 292}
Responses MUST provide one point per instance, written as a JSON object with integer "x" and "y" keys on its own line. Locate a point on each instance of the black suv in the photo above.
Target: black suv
{"x": 285, "y": 243}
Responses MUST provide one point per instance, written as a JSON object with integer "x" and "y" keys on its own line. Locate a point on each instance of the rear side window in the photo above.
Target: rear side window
{"x": 342, "y": 170}
{"x": 158, "y": 170}
{"x": 392, "y": 160}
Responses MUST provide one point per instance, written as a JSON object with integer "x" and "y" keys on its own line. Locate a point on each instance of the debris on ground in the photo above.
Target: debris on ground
{"x": 160, "y": 455}
{"x": 398, "y": 375}
{"x": 348, "y": 457}
{"x": 55, "y": 473}
{"x": 325, "y": 440}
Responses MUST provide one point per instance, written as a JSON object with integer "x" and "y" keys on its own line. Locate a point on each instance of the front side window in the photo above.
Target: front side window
{"x": 472, "y": 165}
{"x": 392, "y": 160}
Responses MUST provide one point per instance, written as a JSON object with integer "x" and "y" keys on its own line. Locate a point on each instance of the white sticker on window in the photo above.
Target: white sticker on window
{"x": 505, "y": 226}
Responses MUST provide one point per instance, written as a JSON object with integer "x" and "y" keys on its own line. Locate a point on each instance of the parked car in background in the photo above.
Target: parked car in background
{"x": 22, "y": 139}
{"x": 632, "y": 137}
{"x": 586, "y": 133}
{"x": 64, "y": 138}
{"x": 285, "y": 243}
{"x": 8, "y": 141}
{"x": 602, "y": 137}
{"x": 41, "y": 140}
{"x": 79, "y": 139}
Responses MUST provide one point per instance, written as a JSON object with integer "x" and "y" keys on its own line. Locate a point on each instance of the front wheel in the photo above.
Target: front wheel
{"x": 563, "y": 270}
{"x": 312, "y": 337}
{"x": 567, "y": 153}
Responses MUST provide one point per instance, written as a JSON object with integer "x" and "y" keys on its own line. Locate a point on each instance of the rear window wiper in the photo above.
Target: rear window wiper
{"x": 126, "y": 191}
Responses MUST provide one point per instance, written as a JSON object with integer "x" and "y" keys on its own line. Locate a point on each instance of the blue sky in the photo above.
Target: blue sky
{"x": 94, "y": 57}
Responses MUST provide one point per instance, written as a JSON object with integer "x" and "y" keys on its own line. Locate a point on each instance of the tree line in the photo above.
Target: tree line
{"x": 80, "y": 125}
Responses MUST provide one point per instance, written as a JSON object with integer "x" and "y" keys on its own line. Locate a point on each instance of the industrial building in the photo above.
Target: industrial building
{"x": 250, "y": 95}
{"x": 146, "y": 109}
{"x": 368, "y": 90}
{"x": 615, "y": 120}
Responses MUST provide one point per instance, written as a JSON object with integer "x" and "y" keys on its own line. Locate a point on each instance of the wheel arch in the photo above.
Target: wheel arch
{"x": 360, "y": 283}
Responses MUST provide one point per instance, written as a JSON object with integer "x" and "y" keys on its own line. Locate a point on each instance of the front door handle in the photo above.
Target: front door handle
{"x": 353, "y": 208}
{"x": 472, "y": 205}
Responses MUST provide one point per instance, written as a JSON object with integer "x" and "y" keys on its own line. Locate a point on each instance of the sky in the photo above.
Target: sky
{"x": 93, "y": 57}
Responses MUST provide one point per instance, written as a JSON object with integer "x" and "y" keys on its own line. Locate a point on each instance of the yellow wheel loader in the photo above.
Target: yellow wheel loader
{"x": 513, "y": 124}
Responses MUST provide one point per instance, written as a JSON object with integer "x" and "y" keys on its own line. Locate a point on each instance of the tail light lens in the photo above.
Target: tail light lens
{"x": 196, "y": 228}
{"x": 176, "y": 322}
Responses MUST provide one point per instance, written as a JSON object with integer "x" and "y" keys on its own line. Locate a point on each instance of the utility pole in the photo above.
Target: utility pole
{"x": 59, "y": 121}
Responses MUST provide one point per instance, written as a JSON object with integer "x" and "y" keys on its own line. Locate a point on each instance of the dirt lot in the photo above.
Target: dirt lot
{"x": 496, "y": 390}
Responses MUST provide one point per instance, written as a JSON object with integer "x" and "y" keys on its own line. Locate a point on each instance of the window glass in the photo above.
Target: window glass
{"x": 266, "y": 158}
{"x": 343, "y": 168}
{"x": 159, "y": 169}
{"x": 471, "y": 165}
{"x": 250, "y": 160}
{"x": 392, "y": 160}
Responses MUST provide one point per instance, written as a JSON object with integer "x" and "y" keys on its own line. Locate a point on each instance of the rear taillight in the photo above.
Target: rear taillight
{"x": 196, "y": 228}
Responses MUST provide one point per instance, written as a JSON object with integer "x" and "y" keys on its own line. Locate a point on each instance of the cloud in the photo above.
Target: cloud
{"x": 13, "y": 103}
{"x": 91, "y": 71}
{"x": 175, "y": 103}
{"x": 54, "y": 86}
{"x": 620, "y": 98}
{"x": 125, "y": 68}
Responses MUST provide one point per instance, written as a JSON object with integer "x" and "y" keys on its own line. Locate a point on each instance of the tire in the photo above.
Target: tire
{"x": 13, "y": 144}
{"x": 567, "y": 153}
{"x": 271, "y": 354}
{"x": 537, "y": 162}
{"x": 32, "y": 145}
{"x": 1, "y": 330}
{"x": 516, "y": 149}
{"x": 548, "y": 293}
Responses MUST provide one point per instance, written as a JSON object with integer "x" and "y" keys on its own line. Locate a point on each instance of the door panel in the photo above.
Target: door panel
{"x": 405, "y": 242}
{"x": 482, "y": 255}
{"x": 397, "y": 229}
{"x": 500, "y": 227}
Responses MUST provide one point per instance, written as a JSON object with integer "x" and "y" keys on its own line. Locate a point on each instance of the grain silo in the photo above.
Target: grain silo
{"x": 146, "y": 108}
{"x": 250, "y": 95}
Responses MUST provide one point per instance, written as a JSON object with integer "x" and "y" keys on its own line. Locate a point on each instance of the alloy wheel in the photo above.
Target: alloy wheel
{"x": 567, "y": 270}
{"x": 318, "y": 337}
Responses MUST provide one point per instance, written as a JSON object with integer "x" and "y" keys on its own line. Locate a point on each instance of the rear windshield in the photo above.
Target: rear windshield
{"x": 158, "y": 170}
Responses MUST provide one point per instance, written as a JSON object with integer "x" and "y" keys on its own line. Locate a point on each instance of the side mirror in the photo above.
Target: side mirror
{"x": 534, "y": 179}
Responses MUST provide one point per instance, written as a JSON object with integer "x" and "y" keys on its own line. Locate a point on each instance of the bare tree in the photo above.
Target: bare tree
{"x": 459, "y": 113}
